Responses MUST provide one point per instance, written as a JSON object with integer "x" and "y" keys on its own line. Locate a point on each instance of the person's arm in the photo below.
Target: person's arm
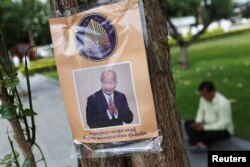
{"x": 199, "y": 116}
{"x": 125, "y": 113}
{"x": 224, "y": 118}
{"x": 94, "y": 120}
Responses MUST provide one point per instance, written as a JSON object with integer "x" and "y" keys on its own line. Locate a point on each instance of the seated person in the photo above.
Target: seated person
{"x": 214, "y": 118}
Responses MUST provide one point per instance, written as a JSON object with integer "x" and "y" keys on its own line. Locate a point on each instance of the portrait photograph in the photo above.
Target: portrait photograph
{"x": 106, "y": 96}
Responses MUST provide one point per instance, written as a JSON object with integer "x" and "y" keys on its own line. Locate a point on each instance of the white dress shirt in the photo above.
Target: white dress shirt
{"x": 107, "y": 99}
{"x": 215, "y": 115}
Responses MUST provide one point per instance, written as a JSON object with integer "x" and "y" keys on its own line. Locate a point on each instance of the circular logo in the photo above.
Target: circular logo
{"x": 96, "y": 37}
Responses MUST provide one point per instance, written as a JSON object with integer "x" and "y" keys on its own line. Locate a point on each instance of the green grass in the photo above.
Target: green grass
{"x": 227, "y": 63}
{"x": 40, "y": 66}
{"x": 51, "y": 74}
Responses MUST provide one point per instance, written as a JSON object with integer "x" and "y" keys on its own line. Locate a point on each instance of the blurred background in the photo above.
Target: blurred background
{"x": 209, "y": 40}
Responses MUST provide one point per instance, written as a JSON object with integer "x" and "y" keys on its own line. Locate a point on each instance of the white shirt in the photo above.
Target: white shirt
{"x": 107, "y": 99}
{"x": 215, "y": 115}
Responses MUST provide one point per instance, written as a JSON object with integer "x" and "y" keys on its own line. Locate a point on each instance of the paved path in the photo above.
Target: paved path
{"x": 54, "y": 135}
{"x": 232, "y": 144}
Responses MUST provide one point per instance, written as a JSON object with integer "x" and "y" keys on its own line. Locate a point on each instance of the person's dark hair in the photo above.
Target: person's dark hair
{"x": 207, "y": 85}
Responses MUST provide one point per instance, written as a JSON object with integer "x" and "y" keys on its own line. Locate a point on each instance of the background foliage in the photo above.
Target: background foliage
{"x": 18, "y": 17}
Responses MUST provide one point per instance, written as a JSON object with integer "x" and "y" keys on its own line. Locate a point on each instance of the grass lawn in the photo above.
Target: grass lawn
{"x": 227, "y": 63}
{"x": 51, "y": 74}
{"x": 224, "y": 61}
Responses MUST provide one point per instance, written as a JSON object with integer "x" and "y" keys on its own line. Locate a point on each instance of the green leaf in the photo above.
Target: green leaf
{"x": 27, "y": 163}
{"x": 17, "y": 154}
{"x": 10, "y": 82}
{"x": 29, "y": 112}
{"x": 20, "y": 107}
{"x": 1, "y": 161}
{"x": 8, "y": 111}
{"x": 9, "y": 164}
{"x": 7, "y": 157}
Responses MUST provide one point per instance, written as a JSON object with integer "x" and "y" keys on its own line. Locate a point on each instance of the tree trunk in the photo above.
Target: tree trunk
{"x": 163, "y": 87}
{"x": 31, "y": 38}
{"x": 24, "y": 145}
{"x": 18, "y": 133}
{"x": 183, "y": 60}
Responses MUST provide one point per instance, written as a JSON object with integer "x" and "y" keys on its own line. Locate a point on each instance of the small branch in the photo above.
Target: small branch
{"x": 205, "y": 26}
{"x": 196, "y": 36}
{"x": 12, "y": 149}
{"x": 175, "y": 33}
{"x": 43, "y": 157}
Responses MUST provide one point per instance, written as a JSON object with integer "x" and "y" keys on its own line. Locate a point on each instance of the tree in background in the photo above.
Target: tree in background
{"x": 24, "y": 21}
{"x": 205, "y": 12}
{"x": 246, "y": 10}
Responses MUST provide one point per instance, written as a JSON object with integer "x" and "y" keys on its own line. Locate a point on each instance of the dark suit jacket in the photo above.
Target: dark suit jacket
{"x": 97, "y": 106}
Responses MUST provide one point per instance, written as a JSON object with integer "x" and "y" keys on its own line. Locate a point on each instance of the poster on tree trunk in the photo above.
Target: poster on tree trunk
{"x": 103, "y": 72}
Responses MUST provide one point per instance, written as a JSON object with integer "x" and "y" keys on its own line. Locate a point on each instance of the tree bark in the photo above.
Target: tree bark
{"x": 183, "y": 60}
{"x": 31, "y": 38}
{"x": 24, "y": 145}
{"x": 18, "y": 133}
{"x": 163, "y": 87}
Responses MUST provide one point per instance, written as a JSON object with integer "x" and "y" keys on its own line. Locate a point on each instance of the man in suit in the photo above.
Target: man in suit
{"x": 108, "y": 107}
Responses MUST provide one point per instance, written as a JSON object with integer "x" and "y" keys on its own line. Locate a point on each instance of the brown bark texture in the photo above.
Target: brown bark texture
{"x": 31, "y": 38}
{"x": 183, "y": 60}
{"x": 24, "y": 145}
{"x": 163, "y": 87}
{"x": 18, "y": 133}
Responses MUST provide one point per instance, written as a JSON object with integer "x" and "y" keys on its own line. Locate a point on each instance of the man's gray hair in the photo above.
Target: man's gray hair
{"x": 109, "y": 71}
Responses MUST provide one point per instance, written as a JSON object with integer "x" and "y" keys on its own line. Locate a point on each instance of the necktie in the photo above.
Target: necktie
{"x": 110, "y": 100}
{"x": 110, "y": 103}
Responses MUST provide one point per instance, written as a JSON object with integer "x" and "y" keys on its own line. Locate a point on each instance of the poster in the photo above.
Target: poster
{"x": 103, "y": 73}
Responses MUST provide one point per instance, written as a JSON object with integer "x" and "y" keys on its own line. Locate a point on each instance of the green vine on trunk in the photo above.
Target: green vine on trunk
{"x": 12, "y": 107}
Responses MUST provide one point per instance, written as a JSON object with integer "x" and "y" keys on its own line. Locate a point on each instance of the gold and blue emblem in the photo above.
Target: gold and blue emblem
{"x": 96, "y": 37}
